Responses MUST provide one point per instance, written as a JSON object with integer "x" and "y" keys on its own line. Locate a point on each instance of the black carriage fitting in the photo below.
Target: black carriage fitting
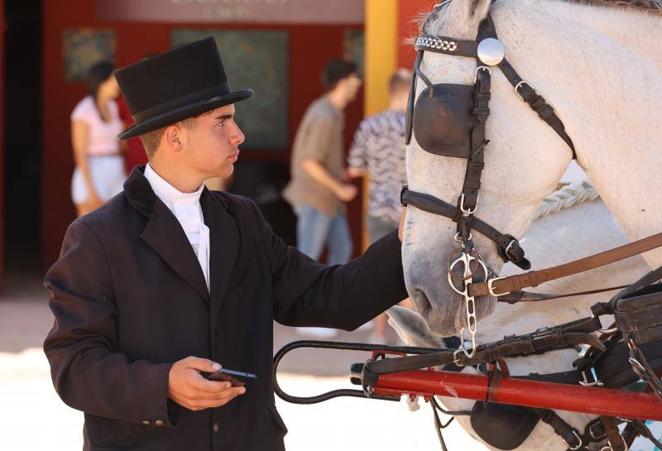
{"x": 355, "y": 374}
{"x": 564, "y": 336}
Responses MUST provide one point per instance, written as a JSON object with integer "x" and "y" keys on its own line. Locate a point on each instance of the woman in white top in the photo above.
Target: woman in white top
{"x": 95, "y": 124}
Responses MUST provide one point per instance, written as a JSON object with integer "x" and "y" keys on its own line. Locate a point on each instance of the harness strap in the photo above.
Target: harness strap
{"x": 564, "y": 336}
{"x": 503, "y": 285}
{"x": 476, "y": 163}
{"x": 528, "y": 296}
{"x": 636, "y": 428}
{"x": 563, "y": 429}
{"x": 526, "y": 91}
{"x": 508, "y": 247}
{"x": 613, "y": 434}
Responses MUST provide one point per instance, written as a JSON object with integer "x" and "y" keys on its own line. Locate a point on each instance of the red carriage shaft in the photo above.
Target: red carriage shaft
{"x": 522, "y": 392}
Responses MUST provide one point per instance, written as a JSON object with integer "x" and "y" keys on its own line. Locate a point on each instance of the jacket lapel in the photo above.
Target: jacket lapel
{"x": 164, "y": 234}
{"x": 224, "y": 248}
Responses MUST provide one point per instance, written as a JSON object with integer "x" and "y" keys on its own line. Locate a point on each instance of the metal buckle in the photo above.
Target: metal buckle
{"x": 490, "y": 287}
{"x": 592, "y": 435}
{"x": 479, "y": 68}
{"x": 506, "y": 251}
{"x": 519, "y": 85}
{"x": 579, "y": 439}
{"x": 594, "y": 376}
{"x": 459, "y": 239}
{"x": 463, "y": 209}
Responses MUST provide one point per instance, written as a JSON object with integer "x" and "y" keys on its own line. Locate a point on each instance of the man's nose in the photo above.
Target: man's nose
{"x": 237, "y": 137}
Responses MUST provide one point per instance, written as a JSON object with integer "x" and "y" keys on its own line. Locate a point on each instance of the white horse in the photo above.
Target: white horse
{"x": 600, "y": 66}
{"x": 551, "y": 239}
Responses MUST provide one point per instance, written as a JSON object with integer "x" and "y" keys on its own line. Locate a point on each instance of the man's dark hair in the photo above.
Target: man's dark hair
{"x": 335, "y": 70}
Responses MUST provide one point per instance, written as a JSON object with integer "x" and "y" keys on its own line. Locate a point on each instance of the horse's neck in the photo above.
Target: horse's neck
{"x": 572, "y": 233}
{"x": 606, "y": 91}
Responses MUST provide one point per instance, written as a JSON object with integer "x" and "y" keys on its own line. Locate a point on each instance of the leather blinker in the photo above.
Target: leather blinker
{"x": 442, "y": 120}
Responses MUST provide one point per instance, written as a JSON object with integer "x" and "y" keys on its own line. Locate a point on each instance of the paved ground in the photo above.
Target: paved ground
{"x": 32, "y": 417}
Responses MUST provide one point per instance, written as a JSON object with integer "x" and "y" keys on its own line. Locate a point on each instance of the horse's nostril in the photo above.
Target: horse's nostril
{"x": 422, "y": 302}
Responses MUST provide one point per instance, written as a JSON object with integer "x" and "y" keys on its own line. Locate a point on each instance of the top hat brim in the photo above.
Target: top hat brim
{"x": 184, "y": 112}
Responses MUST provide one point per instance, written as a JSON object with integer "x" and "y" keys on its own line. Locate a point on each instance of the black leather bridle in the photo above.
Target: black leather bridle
{"x": 458, "y": 110}
{"x": 463, "y": 212}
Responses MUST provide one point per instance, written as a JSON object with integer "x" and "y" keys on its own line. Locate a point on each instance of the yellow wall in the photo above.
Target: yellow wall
{"x": 381, "y": 34}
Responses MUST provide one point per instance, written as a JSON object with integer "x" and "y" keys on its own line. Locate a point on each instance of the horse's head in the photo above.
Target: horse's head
{"x": 524, "y": 160}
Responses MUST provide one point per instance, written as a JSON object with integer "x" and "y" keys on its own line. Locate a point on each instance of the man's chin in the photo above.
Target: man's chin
{"x": 224, "y": 172}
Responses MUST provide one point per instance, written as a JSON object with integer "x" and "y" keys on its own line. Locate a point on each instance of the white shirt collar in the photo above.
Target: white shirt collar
{"x": 170, "y": 195}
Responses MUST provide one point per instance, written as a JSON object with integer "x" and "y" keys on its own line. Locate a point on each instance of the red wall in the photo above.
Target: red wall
{"x": 408, "y": 13}
{"x": 310, "y": 48}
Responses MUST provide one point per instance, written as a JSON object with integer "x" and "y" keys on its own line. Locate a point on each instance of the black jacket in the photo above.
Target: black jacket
{"x": 129, "y": 299}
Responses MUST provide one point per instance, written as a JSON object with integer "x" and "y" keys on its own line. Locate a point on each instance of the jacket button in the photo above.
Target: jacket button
{"x": 216, "y": 427}
{"x": 159, "y": 423}
{"x": 146, "y": 422}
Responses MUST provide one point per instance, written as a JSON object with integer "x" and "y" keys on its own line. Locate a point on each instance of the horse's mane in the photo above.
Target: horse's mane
{"x": 566, "y": 197}
{"x": 650, "y": 6}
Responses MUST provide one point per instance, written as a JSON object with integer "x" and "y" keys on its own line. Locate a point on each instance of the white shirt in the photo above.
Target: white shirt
{"x": 102, "y": 135}
{"x": 187, "y": 210}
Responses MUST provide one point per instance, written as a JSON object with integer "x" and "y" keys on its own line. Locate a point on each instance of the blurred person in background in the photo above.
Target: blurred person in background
{"x": 317, "y": 190}
{"x": 378, "y": 152}
{"x": 95, "y": 124}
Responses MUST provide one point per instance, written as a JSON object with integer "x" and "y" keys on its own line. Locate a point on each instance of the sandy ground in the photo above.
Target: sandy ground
{"x": 28, "y": 400}
{"x": 32, "y": 417}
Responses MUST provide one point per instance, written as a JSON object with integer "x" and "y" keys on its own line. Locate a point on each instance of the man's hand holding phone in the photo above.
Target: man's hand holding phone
{"x": 190, "y": 389}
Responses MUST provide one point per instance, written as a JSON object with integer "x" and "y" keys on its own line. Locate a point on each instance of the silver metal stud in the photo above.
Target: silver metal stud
{"x": 491, "y": 51}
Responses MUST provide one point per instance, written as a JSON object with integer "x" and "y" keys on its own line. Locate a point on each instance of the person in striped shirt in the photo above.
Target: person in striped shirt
{"x": 378, "y": 152}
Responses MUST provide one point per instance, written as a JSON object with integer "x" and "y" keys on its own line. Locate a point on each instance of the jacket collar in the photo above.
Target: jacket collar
{"x": 141, "y": 196}
{"x": 165, "y": 236}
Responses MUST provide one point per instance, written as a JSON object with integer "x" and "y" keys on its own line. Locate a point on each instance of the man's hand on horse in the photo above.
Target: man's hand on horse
{"x": 188, "y": 388}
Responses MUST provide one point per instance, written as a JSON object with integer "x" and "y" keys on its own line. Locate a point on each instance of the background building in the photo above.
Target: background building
{"x": 277, "y": 47}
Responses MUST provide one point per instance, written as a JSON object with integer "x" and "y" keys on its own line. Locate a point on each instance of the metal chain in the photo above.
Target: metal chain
{"x": 466, "y": 256}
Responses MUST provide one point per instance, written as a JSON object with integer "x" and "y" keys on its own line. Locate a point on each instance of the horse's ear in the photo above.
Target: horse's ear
{"x": 460, "y": 18}
{"x": 479, "y": 9}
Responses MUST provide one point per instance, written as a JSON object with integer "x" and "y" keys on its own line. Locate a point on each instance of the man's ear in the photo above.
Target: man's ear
{"x": 173, "y": 136}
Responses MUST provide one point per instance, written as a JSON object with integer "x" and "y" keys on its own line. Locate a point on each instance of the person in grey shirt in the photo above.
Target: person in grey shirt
{"x": 317, "y": 191}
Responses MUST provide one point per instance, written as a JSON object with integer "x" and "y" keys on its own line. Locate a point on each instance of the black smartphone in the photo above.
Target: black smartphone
{"x": 236, "y": 378}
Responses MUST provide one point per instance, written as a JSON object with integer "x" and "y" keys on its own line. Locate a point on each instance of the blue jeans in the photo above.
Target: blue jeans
{"x": 315, "y": 229}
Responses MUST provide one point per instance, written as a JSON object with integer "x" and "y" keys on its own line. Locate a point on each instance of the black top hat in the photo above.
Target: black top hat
{"x": 175, "y": 85}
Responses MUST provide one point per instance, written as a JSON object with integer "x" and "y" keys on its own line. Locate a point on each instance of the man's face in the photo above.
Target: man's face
{"x": 351, "y": 87}
{"x": 211, "y": 145}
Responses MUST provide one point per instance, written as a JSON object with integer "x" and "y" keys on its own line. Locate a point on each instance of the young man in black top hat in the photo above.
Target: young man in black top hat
{"x": 168, "y": 280}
